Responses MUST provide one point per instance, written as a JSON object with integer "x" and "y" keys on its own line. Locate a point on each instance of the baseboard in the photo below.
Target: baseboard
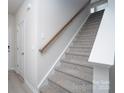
{"x": 34, "y": 90}
{"x": 61, "y": 54}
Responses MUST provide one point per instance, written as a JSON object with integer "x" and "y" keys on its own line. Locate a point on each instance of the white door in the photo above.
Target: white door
{"x": 20, "y": 47}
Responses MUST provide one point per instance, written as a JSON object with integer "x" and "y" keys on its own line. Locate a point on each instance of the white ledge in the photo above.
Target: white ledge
{"x": 103, "y": 48}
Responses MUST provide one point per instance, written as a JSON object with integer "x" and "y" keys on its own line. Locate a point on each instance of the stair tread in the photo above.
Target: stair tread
{"x": 82, "y": 41}
{"x": 88, "y": 31}
{"x": 85, "y": 27}
{"x": 89, "y": 46}
{"x": 77, "y": 53}
{"x": 75, "y": 57}
{"x": 52, "y": 88}
{"x": 95, "y": 17}
{"x": 98, "y": 13}
{"x": 81, "y": 72}
{"x": 94, "y": 24}
{"x": 80, "y": 50}
{"x": 83, "y": 47}
{"x": 91, "y": 24}
{"x": 85, "y": 39}
{"x": 72, "y": 84}
{"x": 82, "y": 44}
{"x": 78, "y": 62}
{"x": 92, "y": 21}
{"x": 86, "y": 35}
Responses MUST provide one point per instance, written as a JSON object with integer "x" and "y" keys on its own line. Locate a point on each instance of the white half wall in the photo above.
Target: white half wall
{"x": 103, "y": 48}
{"x": 11, "y": 42}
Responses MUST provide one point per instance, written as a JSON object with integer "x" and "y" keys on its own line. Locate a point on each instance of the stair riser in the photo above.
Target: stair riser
{"x": 87, "y": 42}
{"x": 80, "y": 72}
{"x": 93, "y": 21}
{"x": 91, "y": 24}
{"x": 85, "y": 38}
{"x": 80, "y": 63}
{"x": 90, "y": 35}
{"x": 71, "y": 84}
{"x": 76, "y": 58}
{"x": 76, "y": 70}
{"x": 78, "y": 50}
{"x": 80, "y": 46}
{"x": 95, "y": 17}
{"x": 58, "y": 88}
{"x": 88, "y": 32}
{"x": 84, "y": 41}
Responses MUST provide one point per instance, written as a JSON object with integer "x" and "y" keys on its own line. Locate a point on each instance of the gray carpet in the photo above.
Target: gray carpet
{"x": 75, "y": 74}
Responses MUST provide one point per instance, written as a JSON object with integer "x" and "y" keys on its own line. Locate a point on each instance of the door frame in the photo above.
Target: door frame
{"x": 22, "y": 73}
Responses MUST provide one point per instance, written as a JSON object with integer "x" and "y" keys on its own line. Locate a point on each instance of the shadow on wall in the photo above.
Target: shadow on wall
{"x": 112, "y": 79}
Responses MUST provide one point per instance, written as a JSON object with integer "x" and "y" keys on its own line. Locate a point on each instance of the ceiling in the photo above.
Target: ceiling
{"x": 13, "y": 5}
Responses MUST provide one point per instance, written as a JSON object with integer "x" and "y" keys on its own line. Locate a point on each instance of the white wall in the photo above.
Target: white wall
{"x": 52, "y": 16}
{"x": 30, "y": 64}
{"x": 11, "y": 41}
{"x": 103, "y": 48}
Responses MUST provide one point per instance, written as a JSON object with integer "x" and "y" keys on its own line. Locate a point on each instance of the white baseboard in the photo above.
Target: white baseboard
{"x": 61, "y": 54}
{"x": 31, "y": 87}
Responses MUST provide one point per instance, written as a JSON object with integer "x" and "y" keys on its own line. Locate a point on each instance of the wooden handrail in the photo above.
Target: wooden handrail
{"x": 58, "y": 33}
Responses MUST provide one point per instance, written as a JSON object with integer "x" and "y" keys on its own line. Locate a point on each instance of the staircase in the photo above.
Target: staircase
{"x": 75, "y": 73}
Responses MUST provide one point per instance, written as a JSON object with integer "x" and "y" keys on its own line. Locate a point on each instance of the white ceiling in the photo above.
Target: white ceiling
{"x": 13, "y": 5}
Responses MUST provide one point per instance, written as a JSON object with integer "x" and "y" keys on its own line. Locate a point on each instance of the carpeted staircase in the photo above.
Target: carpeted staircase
{"x": 75, "y": 73}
